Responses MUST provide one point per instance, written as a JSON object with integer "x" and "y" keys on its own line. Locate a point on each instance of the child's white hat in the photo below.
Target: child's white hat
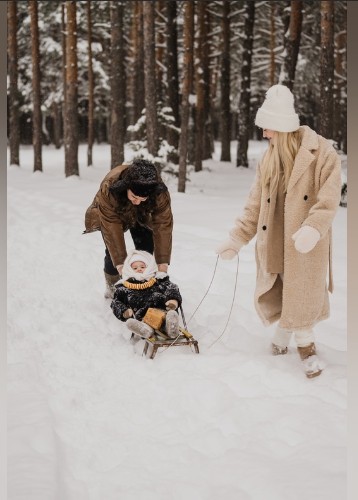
{"x": 142, "y": 256}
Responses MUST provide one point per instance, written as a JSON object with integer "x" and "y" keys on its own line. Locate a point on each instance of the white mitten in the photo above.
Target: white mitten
{"x": 127, "y": 313}
{"x": 171, "y": 304}
{"x": 306, "y": 238}
{"x": 229, "y": 248}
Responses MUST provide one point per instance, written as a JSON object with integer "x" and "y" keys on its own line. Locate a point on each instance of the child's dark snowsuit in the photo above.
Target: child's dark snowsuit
{"x": 139, "y": 300}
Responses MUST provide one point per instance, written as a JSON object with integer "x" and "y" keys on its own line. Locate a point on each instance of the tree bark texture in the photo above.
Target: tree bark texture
{"x": 137, "y": 88}
{"x": 118, "y": 85}
{"x": 200, "y": 87}
{"x": 188, "y": 45}
{"x": 71, "y": 120}
{"x": 149, "y": 78}
{"x": 56, "y": 117}
{"x": 90, "y": 88}
{"x": 63, "y": 43}
{"x": 291, "y": 45}
{"x": 208, "y": 106}
{"x": 172, "y": 70}
{"x": 36, "y": 93}
{"x": 14, "y": 130}
{"x": 272, "y": 44}
{"x": 340, "y": 95}
{"x": 245, "y": 91}
{"x": 327, "y": 68}
{"x": 172, "y": 59}
{"x": 225, "y": 116}
{"x": 159, "y": 31}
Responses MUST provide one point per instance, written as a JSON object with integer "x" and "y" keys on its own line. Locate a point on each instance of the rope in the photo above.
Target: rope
{"x": 231, "y": 307}
{"x": 207, "y": 291}
{"x": 212, "y": 279}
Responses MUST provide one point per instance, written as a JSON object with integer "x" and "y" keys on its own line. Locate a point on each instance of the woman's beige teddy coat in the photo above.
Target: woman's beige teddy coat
{"x": 312, "y": 199}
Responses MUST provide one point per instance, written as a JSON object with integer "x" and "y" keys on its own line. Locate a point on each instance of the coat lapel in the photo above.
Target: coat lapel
{"x": 304, "y": 156}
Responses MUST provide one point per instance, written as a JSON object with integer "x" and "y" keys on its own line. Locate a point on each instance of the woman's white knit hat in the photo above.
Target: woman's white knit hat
{"x": 277, "y": 111}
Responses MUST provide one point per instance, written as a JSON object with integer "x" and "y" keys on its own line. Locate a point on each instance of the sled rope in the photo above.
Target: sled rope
{"x": 231, "y": 307}
{"x": 207, "y": 291}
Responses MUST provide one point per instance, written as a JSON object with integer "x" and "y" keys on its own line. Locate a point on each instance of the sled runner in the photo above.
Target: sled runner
{"x": 161, "y": 339}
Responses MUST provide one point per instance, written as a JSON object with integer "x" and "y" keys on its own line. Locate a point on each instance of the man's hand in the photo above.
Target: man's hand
{"x": 119, "y": 269}
{"x": 163, "y": 268}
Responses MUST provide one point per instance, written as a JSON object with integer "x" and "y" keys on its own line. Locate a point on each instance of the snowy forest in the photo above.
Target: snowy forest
{"x": 90, "y": 416}
{"x": 168, "y": 78}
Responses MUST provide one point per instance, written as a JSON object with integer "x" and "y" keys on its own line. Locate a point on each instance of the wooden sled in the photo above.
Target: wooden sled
{"x": 160, "y": 339}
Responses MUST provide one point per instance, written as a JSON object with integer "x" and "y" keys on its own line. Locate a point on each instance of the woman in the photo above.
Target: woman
{"x": 132, "y": 197}
{"x": 290, "y": 208}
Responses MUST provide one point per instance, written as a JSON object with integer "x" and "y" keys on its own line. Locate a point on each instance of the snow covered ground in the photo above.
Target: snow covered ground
{"x": 89, "y": 418}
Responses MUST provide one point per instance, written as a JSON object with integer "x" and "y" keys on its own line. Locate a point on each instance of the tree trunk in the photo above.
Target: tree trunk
{"x": 188, "y": 46}
{"x": 200, "y": 88}
{"x": 172, "y": 70}
{"x": 14, "y": 130}
{"x": 327, "y": 69}
{"x": 90, "y": 88}
{"x": 71, "y": 138}
{"x": 340, "y": 101}
{"x": 36, "y": 94}
{"x": 245, "y": 91}
{"x": 138, "y": 96}
{"x": 56, "y": 117}
{"x": 272, "y": 44}
{"x": 225, "y": 116}
{"x": 291, "y": 45}
{"x": 63, "y": 43}
{"x": 208, "y": 107}
{"x": 159, "y": 51}
{"x": 118, "y": 83}
{"x": 149, "y": 78}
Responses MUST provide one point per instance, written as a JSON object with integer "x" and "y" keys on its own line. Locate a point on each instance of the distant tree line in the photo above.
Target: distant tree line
{"x": 168, "y": 78}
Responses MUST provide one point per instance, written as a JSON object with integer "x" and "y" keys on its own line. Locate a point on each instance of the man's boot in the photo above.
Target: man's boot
{"x": 278, "y": 350}
{"x": 310, "y": 360}
{"x": 110, "y": 279}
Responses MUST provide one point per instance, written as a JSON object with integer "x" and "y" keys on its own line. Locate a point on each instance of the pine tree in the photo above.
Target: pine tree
{"x": 71, "y": 119}
{"x": 117, "y": 85}
{"x": 149, "y": 78}
{"x": 36, "y": 92}
{"x": 14, "y": 130}
{"x": 327, "y": 69}
{"x": 188, "y": 45}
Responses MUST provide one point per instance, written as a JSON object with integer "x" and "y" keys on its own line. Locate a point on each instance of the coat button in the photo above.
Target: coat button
{"x": 305, "y": 197}
{"x": 268, "y": 200}
{"x": 264, "y": 228}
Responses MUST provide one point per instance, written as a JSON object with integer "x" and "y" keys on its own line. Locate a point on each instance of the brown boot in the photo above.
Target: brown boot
{"x": 111, "y": 279}
{"x": 310, "y": 360}
{"x": 278, "y": 350}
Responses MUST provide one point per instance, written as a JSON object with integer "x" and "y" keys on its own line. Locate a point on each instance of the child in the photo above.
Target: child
{"x": 142, "y": 287}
